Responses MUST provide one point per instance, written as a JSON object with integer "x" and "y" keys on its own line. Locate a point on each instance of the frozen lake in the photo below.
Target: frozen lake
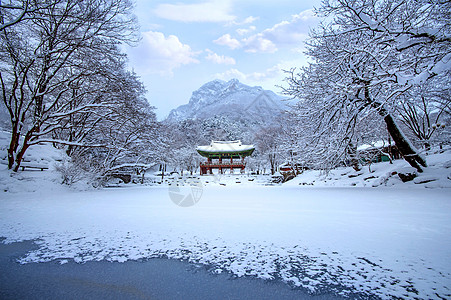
{"x": 151, "y": 279}
{"x": 385, "y": 242}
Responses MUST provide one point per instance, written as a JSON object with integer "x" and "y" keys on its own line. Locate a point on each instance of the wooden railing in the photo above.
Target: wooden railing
{"x": 223, "y": 164}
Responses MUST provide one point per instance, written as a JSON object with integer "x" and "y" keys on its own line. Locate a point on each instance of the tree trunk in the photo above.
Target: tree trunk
{"x": 352, "y": 152}
{"x": 12, "y": 148}
{"x": 21, "y": 153}
{"x": 404, "y": 146}
{"x": 272, "y": 162}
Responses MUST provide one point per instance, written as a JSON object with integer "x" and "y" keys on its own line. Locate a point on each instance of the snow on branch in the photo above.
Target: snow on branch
{"x": 63, "y": 142}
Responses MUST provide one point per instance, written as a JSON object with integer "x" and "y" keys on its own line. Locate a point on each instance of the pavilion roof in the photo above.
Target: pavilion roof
{"x": 375, "y": 145}
{"x": 226, "y": 147}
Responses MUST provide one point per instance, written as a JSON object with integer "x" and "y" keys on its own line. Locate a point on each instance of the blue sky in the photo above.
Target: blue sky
{"x": 188, "y": 43}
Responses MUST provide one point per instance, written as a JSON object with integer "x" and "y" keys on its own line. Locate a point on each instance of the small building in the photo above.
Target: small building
{"x": 221, "y": 154}
{"x": 292, "y": 168}
{"x": 378, "y": 151}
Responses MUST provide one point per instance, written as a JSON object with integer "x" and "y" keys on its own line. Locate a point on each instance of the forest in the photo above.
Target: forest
{"x": 378, "y": 71}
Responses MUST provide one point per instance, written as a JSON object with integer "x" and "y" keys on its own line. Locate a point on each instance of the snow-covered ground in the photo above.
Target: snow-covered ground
{"x": 327, "y": 233}
{"x": 384, "y": 174}
{"x": 436, "y": 175}
{"x": 384, "y": 241}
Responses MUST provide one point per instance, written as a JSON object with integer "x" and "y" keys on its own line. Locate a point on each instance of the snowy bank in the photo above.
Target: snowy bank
{"x": 384, "y": 174}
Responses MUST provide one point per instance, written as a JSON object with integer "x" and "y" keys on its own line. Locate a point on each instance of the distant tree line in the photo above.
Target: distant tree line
{"x": 379, "y": 71}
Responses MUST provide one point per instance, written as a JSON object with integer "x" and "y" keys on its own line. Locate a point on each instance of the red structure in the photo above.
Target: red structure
{"x": 220, "y": 155}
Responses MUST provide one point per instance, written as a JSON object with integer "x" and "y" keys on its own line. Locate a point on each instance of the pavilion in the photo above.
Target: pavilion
{"x": 224, "y": 152}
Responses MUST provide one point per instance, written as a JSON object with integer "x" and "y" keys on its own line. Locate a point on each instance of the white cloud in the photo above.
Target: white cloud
{"x": 158, "y": 54}
{"x": 210, "y": 11}
{"x": 230, "y": 74}
{"x": 286, "y": 33}
{"x": 270, "y": 73}
{"x": 248, "y": 20}
{"x": 227, "y": 40}
{"x": 292, "y": 32}
{"x": 258, "y": 43}
{"x": 259, "y": 78}
{"x": 244, "y": 31}
{"x": 252, "y": 44}
{"x": 219, "y": 59}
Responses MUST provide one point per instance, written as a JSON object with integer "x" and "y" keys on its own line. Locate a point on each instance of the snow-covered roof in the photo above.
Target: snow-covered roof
{"x": 374, "y": 145}
{"x": 225, "y": 146}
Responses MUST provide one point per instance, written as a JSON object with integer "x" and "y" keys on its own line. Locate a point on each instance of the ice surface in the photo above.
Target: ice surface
{"x": 385, "y": 241}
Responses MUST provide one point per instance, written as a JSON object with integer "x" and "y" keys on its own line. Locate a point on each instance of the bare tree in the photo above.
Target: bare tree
{"x": 269, "y": 144}
{"x": 124, "y": 127}
{"x": 13, "y": 12}
{"x": 369, "y": 54}
{"x": 423, "y": 109}
{"x": 45, "y": 58}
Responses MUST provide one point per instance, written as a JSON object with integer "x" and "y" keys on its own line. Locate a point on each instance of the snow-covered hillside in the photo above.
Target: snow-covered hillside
{"x": 233, "y": 100}
{"x": 384, "y": 174}
{"x": 39, "y": 174}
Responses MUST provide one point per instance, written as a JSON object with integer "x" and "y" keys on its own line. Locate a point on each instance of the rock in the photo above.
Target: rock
{"x": 288, "y": 177}
{"x": 405, "y": 177}
{"x": 277, "y": 179}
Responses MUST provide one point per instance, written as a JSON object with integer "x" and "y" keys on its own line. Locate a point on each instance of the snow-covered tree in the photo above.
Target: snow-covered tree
{"x": 181, "y": 140}
{"x": 15, "y": 11}
{"x": 366, "y": 56}
{"x": 45, "y": 58}
{"x": 425, "y": 109}
{"x": 268, "y": 141}
{"x": 184, "y": 136}
{"x": 223, "y": 128}
{"x": 125, "y": 129}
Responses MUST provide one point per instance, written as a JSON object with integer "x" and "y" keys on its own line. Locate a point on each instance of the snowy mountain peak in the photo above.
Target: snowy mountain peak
{"x": 231, "y": 99}
{"x": 215, "y": 89}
